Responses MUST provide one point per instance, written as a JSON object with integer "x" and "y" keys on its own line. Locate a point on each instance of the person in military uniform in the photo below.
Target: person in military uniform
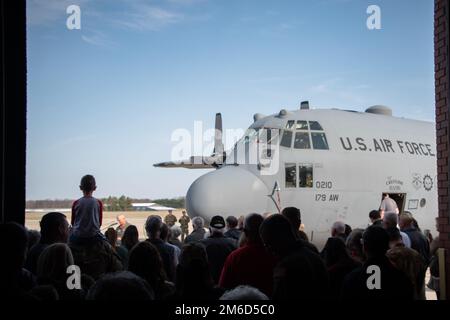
{"x": 170, "y": 219}
{"x": 184, "y": 224}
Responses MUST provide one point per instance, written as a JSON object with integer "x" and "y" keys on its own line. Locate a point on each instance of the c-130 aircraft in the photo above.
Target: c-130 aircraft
{"x": 334, "y": 165}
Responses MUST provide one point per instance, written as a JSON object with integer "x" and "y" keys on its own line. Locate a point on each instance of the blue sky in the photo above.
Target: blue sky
{"x": 105, "y": 99}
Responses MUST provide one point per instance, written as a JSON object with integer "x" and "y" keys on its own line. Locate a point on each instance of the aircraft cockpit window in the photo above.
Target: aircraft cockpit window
{"x": 308, "y": 135}
{"x": 302, "y": 125}
{"x": 314, "y": 125}
{"x": 302, "y": 140}
{"x": 290, "y": 125}
{"x": 319, "y": 141}
{"x": 305, "y": 176}
{"x": 291, "y": 175}
{"x": 286, "y": 139}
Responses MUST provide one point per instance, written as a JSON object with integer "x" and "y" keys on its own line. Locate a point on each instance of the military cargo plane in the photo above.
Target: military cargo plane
{"x": 332, "y": 164}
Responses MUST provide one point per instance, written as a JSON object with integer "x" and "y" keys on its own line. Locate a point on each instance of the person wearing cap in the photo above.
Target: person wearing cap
{"x": 218, "y": 247}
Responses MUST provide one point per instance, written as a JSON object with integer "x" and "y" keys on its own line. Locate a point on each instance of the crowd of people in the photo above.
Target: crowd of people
{"x": 255, "y": 257}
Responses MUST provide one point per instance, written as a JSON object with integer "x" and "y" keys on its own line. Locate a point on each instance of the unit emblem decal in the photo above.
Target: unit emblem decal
{"x": 417, "y": 181}
{"x": 427, "y": 182}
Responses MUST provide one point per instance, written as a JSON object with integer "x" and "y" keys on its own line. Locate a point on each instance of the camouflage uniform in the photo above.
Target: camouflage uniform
{"x": 170, "y": 220}
{"x": 184, "y": 223}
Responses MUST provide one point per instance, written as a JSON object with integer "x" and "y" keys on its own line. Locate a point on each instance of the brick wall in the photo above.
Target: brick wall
{"x": 441, "y": 66}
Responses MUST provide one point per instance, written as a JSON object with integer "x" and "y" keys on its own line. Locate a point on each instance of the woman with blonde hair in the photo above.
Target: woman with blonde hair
{"x": 52, "y": 269}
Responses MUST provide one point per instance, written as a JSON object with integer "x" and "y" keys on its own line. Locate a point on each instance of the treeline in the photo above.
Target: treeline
{"x": 122, "y": 203}
{"x": 49, "y": 204}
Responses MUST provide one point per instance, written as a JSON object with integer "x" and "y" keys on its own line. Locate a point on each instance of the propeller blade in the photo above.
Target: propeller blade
{"x": 218, "y": 143}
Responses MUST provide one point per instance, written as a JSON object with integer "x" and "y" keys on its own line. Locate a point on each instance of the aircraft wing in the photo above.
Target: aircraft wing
{"x": 191, "y": 163}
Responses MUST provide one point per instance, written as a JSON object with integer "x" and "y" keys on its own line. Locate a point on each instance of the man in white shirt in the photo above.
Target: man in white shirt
{"x": 388, "y": 205}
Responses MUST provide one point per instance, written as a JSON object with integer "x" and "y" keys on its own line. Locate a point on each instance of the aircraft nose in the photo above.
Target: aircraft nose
{"x": 227, "y": 191}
